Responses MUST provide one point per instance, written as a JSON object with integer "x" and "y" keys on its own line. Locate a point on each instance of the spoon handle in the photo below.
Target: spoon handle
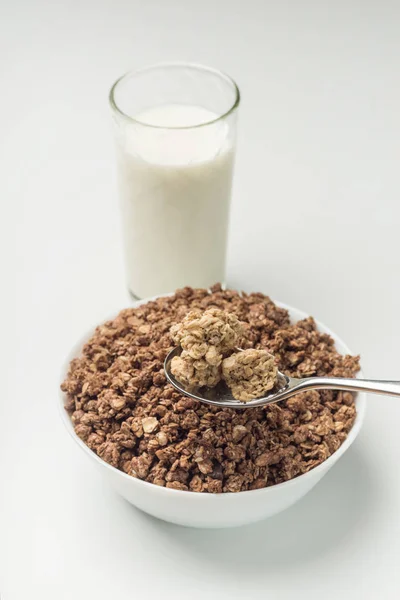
{"x": 388, "y": 388}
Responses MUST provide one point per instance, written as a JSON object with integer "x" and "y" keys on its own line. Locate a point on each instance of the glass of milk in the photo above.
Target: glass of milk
{"x": 175, "y": 129}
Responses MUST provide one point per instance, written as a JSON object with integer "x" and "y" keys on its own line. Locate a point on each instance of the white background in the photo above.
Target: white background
{"x": 315, "y": 223}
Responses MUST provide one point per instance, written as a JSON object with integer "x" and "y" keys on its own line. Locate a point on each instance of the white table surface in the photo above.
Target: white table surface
{"x": 315, "y": 223}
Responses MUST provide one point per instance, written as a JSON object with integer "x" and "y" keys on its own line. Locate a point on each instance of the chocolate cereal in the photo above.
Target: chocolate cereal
{"x": 122, "y": 407}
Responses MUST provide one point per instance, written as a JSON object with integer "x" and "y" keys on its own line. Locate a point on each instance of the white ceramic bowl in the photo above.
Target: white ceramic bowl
{"x": 193, "y": 509}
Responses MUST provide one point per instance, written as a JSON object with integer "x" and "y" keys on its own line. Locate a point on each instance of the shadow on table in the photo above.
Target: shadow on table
{"x": 334, "y": 510}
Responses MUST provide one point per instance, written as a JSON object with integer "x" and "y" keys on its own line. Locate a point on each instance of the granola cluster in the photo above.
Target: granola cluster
{"x": 122, "y": 407}
{"x": 249, "y": 374}
{"x": 213, "y": 329}
{"x": 205, "y": 371}
{"x": 206, "y": 337}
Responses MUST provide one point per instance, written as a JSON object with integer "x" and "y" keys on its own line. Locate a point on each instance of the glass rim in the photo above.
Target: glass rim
{"x": 196, "y": 66}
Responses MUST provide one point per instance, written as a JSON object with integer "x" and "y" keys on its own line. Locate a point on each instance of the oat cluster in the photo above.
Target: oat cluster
{"x": 202, "y": 372}
{"x": 122, "y": 407}
{"x": 213, "y": 329}
{"x": 205, "y": 337}
{"x": 249, "y": 374}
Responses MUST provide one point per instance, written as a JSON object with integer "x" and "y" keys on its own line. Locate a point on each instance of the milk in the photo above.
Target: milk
{"x": 175, "y": 188}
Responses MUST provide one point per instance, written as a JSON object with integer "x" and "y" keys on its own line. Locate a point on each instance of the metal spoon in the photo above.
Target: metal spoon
{"x": 285, "y": 388}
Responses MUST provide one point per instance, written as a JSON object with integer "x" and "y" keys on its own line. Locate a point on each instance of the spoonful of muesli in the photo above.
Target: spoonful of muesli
{"x": 208, "y": 365}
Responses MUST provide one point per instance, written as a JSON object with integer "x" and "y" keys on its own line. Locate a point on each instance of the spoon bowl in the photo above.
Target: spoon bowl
{"x": 221, "y": 395}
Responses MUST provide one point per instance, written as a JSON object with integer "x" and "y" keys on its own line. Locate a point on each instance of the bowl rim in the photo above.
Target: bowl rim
{"x": 324, "y": 466}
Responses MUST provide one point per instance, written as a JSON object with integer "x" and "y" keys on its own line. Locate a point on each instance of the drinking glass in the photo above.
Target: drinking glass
{"x": 175, "y": 132}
